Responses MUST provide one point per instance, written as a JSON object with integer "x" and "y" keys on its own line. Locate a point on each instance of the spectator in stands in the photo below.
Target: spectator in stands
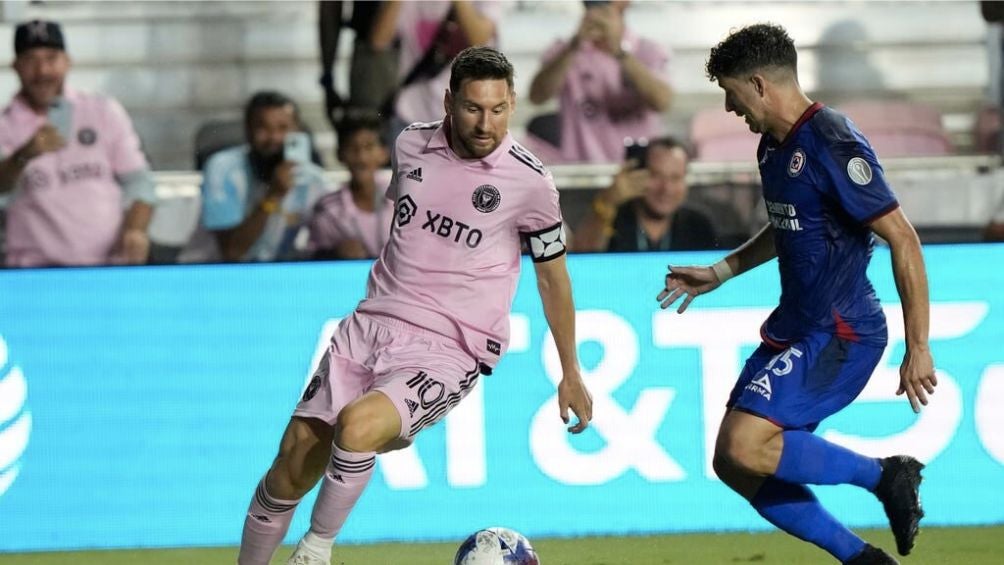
{"x": 431, "y": 34}
{"x": 256, "y": 199}
{"x": 644, "y": 210}
{"x": 81, "y": 188}
{"x": 354, "y": 221}
{"x": 611, "y": 84}
{"x": 372, "y": 69}
{"x": 995, "y": 229}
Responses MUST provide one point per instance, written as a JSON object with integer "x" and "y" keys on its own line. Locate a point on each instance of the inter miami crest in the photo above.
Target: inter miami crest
{"x": 486, "y": 198}
{"x": 87, "y": 136}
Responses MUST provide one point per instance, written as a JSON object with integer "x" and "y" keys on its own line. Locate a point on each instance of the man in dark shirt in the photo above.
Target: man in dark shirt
{"x": 644, "y": 210}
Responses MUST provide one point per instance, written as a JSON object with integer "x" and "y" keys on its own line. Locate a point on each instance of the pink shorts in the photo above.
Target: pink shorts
{"x": 423, "y": 373}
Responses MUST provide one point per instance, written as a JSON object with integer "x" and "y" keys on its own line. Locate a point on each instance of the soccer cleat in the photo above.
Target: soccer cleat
{"x": 302, "y": 556}
{"x": 872, "y": 556}
{"x": 899, "y": 492}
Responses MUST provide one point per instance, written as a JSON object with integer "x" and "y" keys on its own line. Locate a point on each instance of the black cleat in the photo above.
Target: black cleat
{"x": 872, "y": 556}
{"x": 899, "y": 492}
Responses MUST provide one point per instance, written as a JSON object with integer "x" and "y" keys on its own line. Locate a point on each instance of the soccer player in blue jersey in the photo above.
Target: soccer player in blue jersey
{"x": 826, "y": 195}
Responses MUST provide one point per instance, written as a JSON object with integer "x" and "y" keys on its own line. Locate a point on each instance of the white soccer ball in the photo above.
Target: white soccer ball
{"x": 496, "y": 546}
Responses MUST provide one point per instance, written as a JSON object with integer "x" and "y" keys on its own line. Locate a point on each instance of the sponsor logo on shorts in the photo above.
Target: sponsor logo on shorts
{"x": 761, "y": 386}
{"x": 315, "y": 384}
{"x": 494, "y": 347}
{"x": 412, "y": 406}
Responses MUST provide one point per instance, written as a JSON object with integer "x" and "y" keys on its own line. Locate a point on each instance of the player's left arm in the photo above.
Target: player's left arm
{"x": 555, "y": 289}
{"x": 917, "y": 378}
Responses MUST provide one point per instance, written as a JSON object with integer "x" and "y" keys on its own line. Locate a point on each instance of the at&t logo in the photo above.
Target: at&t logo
{"x": 15, "y": 420}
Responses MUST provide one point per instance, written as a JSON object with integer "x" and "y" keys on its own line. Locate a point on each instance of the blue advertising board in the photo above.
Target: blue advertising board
{"x": 140, "y": 406}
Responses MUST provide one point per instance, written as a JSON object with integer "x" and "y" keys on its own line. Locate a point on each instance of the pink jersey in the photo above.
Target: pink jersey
{"x": 453, "y": 259}
{"x": 418, "y": 23}
{"x": 67, "y": 208}
{"x": 336, "y": 219}
{"x": 598, "y": 108}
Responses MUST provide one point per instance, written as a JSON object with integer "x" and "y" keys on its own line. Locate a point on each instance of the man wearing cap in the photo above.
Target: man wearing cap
{"x": 81, "y": 192}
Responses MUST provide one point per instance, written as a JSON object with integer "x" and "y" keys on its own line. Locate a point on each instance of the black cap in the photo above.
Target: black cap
{"x": 38, "y": 33}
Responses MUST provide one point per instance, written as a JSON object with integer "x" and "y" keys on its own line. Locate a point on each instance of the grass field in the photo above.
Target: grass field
{"x": 935, "y": 546}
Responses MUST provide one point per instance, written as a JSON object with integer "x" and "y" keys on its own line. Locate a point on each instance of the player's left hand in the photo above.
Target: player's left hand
{"x": 135, "y": 246}
{"x": 916, "y": 377}
{"x": 572, "y": 393}
{"x": 686, "y": 281}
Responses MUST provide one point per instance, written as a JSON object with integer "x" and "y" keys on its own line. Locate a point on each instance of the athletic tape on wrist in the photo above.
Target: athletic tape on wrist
{"x": 722, "y": 270}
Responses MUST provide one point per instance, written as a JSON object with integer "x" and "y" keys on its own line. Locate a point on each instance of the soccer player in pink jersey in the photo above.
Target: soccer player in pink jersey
{"x": 436, "y": 312}
{"x": 81, "y": 189}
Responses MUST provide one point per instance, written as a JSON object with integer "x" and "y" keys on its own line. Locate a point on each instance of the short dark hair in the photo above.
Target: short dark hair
{"x": 750, "y": 49}
{"x": 480, "y": 63}
{"x": 668, "y": 142}
{"x": 268, "y": 99}
{"x": 351, "y": 124}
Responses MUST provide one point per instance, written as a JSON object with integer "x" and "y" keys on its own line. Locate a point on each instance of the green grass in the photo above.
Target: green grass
{"x": 935, "y": 546}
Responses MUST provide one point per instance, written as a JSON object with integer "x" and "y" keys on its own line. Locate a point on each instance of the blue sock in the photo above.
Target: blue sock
{"x": 794, "y": 509}
{"x": 808, "y": 459}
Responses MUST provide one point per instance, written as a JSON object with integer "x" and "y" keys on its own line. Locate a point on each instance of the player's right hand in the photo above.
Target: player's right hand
{"x": 686, "y": 281}
{"x": 45, "y": 140}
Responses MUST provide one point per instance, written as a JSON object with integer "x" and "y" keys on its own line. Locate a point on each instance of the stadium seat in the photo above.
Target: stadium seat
{"x": 899, "y": 128}
{"x": 547, "y": 127}
{"x": 717, "y": 135}
{"x": 215, "y": 135}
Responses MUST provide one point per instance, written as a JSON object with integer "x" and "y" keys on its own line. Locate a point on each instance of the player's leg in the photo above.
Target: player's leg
{"x": 303, "y": 453}
{"x": 421, "y": 378}
{"x": 829, "y": 376}
{"x": 746, "y": 454}
{"x": 365, "y": 427}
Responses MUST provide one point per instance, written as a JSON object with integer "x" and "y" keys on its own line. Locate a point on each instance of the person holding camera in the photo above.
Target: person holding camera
{"x": 611, "y": 85}
{"x": 81, "y": 191}
{"x": 256, "y": 197}
{"x": 644, "y": 208}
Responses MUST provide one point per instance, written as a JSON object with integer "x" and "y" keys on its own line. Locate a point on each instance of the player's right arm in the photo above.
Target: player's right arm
{"x": 45, "y": 140}
{"x": 694, "y": 281}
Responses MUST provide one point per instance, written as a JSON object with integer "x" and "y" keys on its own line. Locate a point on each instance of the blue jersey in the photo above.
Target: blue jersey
{"x": 823, "y": 186}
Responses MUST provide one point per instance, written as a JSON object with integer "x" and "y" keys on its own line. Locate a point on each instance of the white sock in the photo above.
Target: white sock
{"x": 317, "y": 545}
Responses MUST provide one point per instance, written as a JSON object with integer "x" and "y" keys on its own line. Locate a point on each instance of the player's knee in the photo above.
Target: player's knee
{"x": 360, "y": 429}
{"x": 734, "y": 453}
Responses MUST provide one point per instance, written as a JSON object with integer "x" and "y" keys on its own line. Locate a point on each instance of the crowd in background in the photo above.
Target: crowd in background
{"x": 81, "y": 190}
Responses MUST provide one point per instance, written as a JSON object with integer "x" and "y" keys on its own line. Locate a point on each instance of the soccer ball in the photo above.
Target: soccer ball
{"x": 496, "y": 546}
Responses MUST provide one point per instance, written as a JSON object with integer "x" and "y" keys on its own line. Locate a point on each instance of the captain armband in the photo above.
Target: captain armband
{"x": 546, "y": 244}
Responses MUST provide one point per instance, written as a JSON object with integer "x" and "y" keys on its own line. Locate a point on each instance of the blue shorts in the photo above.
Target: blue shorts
{"x": 798, "y": 387}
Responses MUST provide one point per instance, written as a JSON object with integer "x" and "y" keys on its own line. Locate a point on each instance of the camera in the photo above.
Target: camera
{"x": 636, "y": 149}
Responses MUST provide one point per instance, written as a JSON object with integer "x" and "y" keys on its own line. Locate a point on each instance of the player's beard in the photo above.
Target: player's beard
{"x": 476, "y": 150}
